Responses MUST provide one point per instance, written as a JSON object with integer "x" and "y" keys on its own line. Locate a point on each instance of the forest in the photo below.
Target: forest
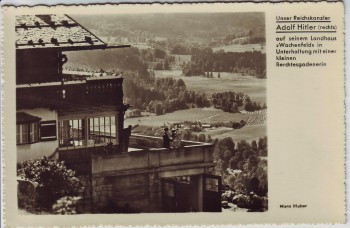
{"x": 160, "y": 95}
{"x": 230, "y": 101}
{"x": 163, "y": 95}
{"x": 247, "y": 63}
{"x": 188, "y": 26}
{"x": 244, "y": 171}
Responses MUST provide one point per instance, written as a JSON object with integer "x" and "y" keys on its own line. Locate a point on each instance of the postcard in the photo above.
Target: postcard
{"x": 173, "y": 114}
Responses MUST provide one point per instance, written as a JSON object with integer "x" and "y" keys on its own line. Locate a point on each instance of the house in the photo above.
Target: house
{"x": 53, "y": 111}
{"x": 79, "y": 118}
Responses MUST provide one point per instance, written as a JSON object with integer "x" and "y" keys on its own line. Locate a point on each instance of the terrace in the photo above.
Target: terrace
{"x": 148, "y": 178}
{"x": 144, "y": 153}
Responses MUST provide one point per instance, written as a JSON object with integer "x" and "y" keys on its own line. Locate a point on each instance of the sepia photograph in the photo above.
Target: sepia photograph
{"x": 141, "y": 113}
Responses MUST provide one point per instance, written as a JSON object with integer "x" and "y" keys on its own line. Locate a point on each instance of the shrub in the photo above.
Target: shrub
{"x": 241, "y": 200}
{"x": 66, "y": 205}
{"x": 54, "y": 180}
{"x": 227, "y": 195}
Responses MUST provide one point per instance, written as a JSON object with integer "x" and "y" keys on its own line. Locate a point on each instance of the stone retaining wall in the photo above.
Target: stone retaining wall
{"x": 85, "y": 204}
{"x": 101, "y": 194}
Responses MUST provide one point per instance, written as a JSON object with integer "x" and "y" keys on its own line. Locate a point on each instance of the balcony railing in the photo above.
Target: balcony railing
{"x": 77, "y": 94}
{"x": 147, "y": 142}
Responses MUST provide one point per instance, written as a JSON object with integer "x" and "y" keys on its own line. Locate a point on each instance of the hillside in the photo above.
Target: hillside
{"x": 176, "y": 25}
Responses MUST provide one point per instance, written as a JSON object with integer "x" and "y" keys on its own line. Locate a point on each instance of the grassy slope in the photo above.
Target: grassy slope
{"x": 241, "y": 48}
{"x": 247, "y": 133}
{"x": 255, "y": 88}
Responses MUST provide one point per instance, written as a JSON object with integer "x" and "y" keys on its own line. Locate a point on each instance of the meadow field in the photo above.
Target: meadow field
{"x": 241, "y": 48}
{"x": 255, "y": 88}
{"x": 194, "y": 114}
{"x": 247, "y": 133}
{"x": 204, "y": 115}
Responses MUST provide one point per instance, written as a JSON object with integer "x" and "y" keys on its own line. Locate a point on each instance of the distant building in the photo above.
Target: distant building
{"x": 80, "y": 119}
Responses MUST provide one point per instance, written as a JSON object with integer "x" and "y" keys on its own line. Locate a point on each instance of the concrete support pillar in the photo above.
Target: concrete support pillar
{"x": 200, "y": 192}
{"x": 154, "y": 191}
{"x": 87, "y": 130}
{"x": 119, "y": 128}
{"x": 197, "y": 183}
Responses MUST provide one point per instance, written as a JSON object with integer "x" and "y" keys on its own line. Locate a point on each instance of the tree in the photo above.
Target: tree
{"x": 227, "y": 143}
{"x": 221, "y": 166}
{"x": 187, "y": 135}
{"x": 223, "y": 102}
{"x": 158, "y": 53}
{"x": 158, "y": 66}
{"x": 54, "y": 180}
{"x": 166, "y": 65}
{"x": 180, "y": 83}
{"x": 254, "y": 145}
{"x": 247, "y": 153}
{"x": 209, "y": 139}
{"x": 233, "y": 163}
{"x": 252, "y": 162}
{"x": 248, "y": 106}
{"x": 199, "y": 101}
{"x": 228, "y": 107}
{"x": 150, "y": 106}
{"x": 234, "y": 107}
{"x": 215, "y": 102}
{"x": 158, "y": 109}
{"x": 242, "y": 145}
{"x": 246, "y": 98}
{"x": 253, "y": 185}
{"x": 262, "y": 143}
{"x": 227, "y": 155}
{"x": 201, "y": 138}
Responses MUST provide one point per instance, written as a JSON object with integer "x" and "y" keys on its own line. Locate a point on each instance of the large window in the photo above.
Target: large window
{"x": 27, "y": 133}
{"x": 87, "y": 132}
{"x": 102, "y": 130}
{"x": 72, "y": 132}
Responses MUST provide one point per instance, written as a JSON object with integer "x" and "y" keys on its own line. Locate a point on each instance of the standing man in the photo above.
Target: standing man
{"x": 166, "y": 138}
{"x": 174, "y": 137}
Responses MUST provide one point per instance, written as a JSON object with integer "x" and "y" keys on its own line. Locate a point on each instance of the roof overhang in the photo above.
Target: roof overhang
{"x": 56, "y": 33}
{"x": 24, "y": 118}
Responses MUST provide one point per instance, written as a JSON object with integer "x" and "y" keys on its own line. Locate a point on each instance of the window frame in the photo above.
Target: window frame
{"x": 92, "y": 128}
{"x": 20, "y": 132}
{"x": 98, "y": 129}
{"x": 47, "y": 123}
{"x": 69, "y": 128}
